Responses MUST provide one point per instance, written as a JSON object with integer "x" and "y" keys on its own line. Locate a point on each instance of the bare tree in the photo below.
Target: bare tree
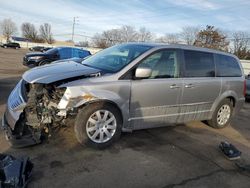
{"x": 170, "y": 38}
{"x": 99, "y": 42}
{"x": 189, "y": 34}
{"x": 8, "y": 28}
{"x": 29, "y": 31}
{"x": 45, "y": 33}
{"x": 128, "y": 34}
{"x": 83, "y": 43}
{"x": 112, "y": 37}
{"x": 241, "y": 40}
{"x": 124, "y": 34}
{"x": 144, "y": 35}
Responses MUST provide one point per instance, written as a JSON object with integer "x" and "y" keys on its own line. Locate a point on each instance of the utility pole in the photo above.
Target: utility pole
{"x": 73, "y": 28}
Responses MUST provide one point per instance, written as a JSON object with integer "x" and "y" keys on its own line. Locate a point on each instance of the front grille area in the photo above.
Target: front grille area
{"x": 16, "y": 99}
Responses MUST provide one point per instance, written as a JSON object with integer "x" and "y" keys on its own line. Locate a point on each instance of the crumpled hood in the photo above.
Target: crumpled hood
{"x": 59, "y": 71}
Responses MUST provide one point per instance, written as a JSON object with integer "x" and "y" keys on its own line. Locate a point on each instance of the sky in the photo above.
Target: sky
{"x": 158, "y": 16}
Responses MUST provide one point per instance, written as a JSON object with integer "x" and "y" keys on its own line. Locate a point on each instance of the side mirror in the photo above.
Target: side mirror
{"x": 143, "y": 72}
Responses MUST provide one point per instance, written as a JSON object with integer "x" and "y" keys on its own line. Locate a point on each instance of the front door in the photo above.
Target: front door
{"x": 154, "y": 101}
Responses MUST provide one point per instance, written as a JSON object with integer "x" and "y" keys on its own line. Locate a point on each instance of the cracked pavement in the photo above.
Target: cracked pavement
{"x": 185, "y": 155}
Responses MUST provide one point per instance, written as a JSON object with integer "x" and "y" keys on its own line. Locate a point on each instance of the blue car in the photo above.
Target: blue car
{"x": 248, "y": 87}
{"x": 42, "y": 58}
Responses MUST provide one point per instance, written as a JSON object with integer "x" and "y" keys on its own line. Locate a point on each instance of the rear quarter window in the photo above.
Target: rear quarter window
{"x": 227, "y": 66}
{"x": 65, "y": 53}
{"x": 199, "y": 64}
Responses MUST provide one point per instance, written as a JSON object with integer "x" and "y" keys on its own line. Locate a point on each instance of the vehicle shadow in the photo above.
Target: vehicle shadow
{"x": 177, "y": 152}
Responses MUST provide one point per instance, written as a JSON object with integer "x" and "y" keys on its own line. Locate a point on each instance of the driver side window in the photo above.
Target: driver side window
{"x": 163, "y": 64}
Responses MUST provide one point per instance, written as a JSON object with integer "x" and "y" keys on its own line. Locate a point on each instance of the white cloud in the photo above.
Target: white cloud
{"x": 197, "y": 4}
{"x": 158, "y": 16}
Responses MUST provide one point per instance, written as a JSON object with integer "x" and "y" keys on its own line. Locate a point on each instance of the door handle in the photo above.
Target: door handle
{"x": 189, "y": 86}
{"x": 174, "y": 86}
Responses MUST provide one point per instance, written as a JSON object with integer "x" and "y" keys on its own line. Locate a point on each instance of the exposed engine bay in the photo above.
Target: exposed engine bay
{"x": 39, "y": 117}
{"x": 47, "y": 96}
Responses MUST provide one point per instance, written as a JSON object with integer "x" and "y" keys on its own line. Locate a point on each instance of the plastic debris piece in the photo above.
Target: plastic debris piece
{"x": 230, "y": 151}
{"x": 14, "y": 173}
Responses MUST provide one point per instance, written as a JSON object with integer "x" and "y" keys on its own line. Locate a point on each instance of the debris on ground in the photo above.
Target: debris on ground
{"x": 14, "y": 173}
{"x": 230, "y": 151}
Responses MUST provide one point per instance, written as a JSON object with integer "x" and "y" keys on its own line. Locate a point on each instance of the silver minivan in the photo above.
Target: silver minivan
{"x": 124, "y": 88}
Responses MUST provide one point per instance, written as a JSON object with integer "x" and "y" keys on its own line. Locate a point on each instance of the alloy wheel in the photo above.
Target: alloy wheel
{"x": 101, "y": 126}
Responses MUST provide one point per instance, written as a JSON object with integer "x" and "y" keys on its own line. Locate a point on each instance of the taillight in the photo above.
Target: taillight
{"x": 245, "y": 88}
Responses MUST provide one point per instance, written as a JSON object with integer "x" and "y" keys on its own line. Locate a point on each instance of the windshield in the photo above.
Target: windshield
{"x": 113, "y": 59}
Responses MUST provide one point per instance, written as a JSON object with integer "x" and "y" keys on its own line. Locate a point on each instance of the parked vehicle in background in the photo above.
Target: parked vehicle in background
{"x": 46, "y": 49}
{"x": 40, "y": 48}
{"x": 74, "y": 59}
{"x": 248, "y": 88}
{"x": 37, "y": 48}
{"x": 124, "y": 88}
{"x": 54, "y": 54}
{"x": 11, "y": 45}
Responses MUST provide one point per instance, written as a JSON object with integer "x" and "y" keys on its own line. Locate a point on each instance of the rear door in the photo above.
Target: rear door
{"x": 200, "y": 86}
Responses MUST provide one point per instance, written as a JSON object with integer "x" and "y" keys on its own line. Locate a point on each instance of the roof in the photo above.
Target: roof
{"x": 181, "y": 46}
{"x": 21, "y": 39}
{"x": 81, "y": 48}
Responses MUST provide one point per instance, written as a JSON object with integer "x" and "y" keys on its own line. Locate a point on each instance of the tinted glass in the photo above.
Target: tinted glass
{"x": 65, "y": 53}
{"x": 163, "y": 64}
{"x": 80, "y": 53}
{"x": 199, "y": 64}
{"x": 227, "y": 66}
{"x": 52, "y": 51}
{"x": 115, "y": 58}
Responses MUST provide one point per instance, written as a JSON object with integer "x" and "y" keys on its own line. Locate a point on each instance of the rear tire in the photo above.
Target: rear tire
{"x": 98, "y": 125}
{"x": 222, "y": 115}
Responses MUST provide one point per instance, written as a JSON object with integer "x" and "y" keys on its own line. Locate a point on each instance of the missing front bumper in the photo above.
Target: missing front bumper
{"x": 17, "y": 141}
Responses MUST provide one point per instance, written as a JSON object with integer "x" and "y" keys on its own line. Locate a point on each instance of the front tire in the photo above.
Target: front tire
{"x": 43, "y": 63}
{"x": 98, "y": 125}
{"x": 222, "y": 115}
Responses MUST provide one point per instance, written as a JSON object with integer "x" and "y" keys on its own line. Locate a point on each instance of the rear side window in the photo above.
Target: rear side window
{"x": 80, "y": 53}
{"x": 199, "y": 64}
{"x": 227, "y": 66}
{"x": 65, "y": 53}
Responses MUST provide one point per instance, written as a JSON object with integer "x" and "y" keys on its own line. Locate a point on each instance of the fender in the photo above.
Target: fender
{"x": 75, "y": 97}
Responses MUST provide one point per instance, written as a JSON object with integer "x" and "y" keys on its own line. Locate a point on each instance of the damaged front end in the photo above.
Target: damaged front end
{"x": 32, "y": 113}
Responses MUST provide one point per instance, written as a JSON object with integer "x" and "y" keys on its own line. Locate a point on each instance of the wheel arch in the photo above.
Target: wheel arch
{"x": 231, "y": 95}
{"x": 103, "y": 101}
